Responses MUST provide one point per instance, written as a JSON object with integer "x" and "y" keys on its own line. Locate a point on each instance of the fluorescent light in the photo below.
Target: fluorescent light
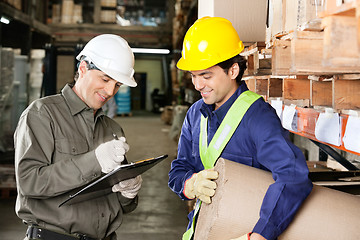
{"x": 4, "y": 20}
{"x": 150, "y": 50}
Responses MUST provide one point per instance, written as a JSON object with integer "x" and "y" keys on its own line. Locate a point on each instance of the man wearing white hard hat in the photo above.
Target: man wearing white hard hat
{"x": 64, "y": 141}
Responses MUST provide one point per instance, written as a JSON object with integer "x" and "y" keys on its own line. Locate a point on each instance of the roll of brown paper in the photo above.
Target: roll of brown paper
{"x": 326, "y": 214}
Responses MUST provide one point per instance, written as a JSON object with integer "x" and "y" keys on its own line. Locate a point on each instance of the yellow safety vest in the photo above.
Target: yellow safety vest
{"x": 209, "y": 154}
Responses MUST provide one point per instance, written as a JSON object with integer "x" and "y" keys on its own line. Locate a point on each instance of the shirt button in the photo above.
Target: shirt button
{"x": 102, "y": 215}
{"x": 95, "y": 175}
{"x": 73, "y": 149}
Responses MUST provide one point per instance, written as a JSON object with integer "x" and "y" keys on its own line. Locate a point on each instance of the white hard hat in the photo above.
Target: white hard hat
{"x": 112, "y": 55}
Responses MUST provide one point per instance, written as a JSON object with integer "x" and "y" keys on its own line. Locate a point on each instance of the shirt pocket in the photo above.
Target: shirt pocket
{"x": 71, "y": 146}
{"x": 247, "y": 160}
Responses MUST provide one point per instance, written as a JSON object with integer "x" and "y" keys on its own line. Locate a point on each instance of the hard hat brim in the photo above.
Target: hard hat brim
{"x": 122, "y": 78}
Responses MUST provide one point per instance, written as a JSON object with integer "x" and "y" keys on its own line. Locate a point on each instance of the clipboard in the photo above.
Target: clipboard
{"x": 102, "y": 186}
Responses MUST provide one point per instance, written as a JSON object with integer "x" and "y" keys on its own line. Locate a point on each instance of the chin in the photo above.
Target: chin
{"x": 208, "y": 102}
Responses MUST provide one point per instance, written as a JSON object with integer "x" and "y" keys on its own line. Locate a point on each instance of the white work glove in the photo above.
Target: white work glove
{"x": 111, "y": 154}
{"x": 243, "y": 237}
{"x": 129, "y": 188}
{"x": 201, "y": 186}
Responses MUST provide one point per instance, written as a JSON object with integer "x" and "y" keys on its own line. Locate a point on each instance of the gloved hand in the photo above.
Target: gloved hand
{"x": 243, "y": 237}
{"x": 129, "y": 188}
{"x": 111, "y": 154}
{"x": 200, "y": 185}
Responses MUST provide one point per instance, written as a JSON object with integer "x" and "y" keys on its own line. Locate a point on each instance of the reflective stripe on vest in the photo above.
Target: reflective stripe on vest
{"x": 209, "y": 154}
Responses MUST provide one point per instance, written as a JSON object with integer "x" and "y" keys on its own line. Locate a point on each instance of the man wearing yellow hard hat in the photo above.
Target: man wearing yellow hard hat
{"x": 236, "y": 124}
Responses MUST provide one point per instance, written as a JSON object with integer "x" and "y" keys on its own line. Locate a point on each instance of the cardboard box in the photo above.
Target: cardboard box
{"x": 67, "y": 9}
{"x": 108, "y": 3}
{"x": 77, "y": 14}
{"x": 341, "y": 43}
{"x": 108, "y": 16}
{"x": 281, "y": 57}
{"x": 56, "y": 13}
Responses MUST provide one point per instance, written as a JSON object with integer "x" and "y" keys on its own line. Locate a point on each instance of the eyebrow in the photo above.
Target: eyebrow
{"x": 105, "y": 75}
{"x": 203, "y": 73}
{"x": 117, "y": 82}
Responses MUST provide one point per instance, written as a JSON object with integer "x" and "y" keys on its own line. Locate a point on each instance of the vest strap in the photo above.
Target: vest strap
{"x": 210, "y": 154}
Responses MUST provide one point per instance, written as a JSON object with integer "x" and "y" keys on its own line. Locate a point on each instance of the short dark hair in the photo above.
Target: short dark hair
{"x": 240, "y": 60}
{"x": 89, "y": 66}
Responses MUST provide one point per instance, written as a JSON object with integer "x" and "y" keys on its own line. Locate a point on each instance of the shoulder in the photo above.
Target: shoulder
{"x": 261, "y": 111}
{"x": 41, "y": 103}
{"x": 193, "y": 112}
{"x": 195, "y": 108}
{"x": 263, "y": 121}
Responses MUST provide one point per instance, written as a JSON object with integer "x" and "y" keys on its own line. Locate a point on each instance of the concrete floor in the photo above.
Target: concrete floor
{"x": 160, "y": 214}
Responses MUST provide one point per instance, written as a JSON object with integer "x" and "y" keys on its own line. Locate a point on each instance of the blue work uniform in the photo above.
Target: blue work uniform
{"x": 259, "y": 141}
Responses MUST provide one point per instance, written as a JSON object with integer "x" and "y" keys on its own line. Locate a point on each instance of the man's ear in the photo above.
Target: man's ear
{"x": 82, "y": 69}
{"x": 234, "y": 70}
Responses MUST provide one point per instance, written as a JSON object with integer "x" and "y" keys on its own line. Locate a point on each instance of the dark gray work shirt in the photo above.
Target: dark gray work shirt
{"x": 55, "y": 143}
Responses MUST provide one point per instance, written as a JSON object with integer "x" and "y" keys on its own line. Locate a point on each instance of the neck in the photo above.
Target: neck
{"x": 230, "y": 93}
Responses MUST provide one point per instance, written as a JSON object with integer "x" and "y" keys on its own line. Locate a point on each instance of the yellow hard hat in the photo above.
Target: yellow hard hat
{"x": 209, "y": 41}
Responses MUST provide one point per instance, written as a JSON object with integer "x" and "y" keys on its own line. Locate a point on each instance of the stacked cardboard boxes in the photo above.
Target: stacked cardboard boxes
{"x": 108, "y": 11}
{"x": 67, "y": 13}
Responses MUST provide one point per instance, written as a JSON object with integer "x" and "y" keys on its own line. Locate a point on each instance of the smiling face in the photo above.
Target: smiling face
{"x": 215, "y": 85}
{"x": 94, "y": 87}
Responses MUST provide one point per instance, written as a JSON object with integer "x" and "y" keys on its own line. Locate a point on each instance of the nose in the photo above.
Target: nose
{"x": 198, "y": 83}
{"x": 110, "y": 88}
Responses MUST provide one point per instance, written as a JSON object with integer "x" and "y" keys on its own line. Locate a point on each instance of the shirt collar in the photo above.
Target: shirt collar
{"x": 75, "y": 103}
{"x": 206, "y": 109}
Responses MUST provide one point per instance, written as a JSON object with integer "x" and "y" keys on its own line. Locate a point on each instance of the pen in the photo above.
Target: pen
{"x": 125, "y": 160}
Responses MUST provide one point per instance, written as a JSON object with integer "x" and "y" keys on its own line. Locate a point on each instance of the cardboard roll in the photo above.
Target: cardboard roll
{"x": 326, "y": 213}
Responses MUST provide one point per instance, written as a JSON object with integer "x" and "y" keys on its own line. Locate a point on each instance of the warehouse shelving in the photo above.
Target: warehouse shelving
{"x": 67, "y": 34}
{"x": 26, "y": 30}
{"x": 316, "y": 71}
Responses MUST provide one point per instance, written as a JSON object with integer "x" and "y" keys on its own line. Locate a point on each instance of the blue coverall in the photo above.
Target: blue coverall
{"x": 259, "y": 141}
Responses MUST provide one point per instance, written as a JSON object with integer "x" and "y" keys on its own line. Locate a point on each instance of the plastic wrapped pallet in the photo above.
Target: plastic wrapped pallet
{"x": 36, "y": 74}
{"x": 326, "y": 214}
{"x": 123, "y": 100}
{"x": 6, "y": 86}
